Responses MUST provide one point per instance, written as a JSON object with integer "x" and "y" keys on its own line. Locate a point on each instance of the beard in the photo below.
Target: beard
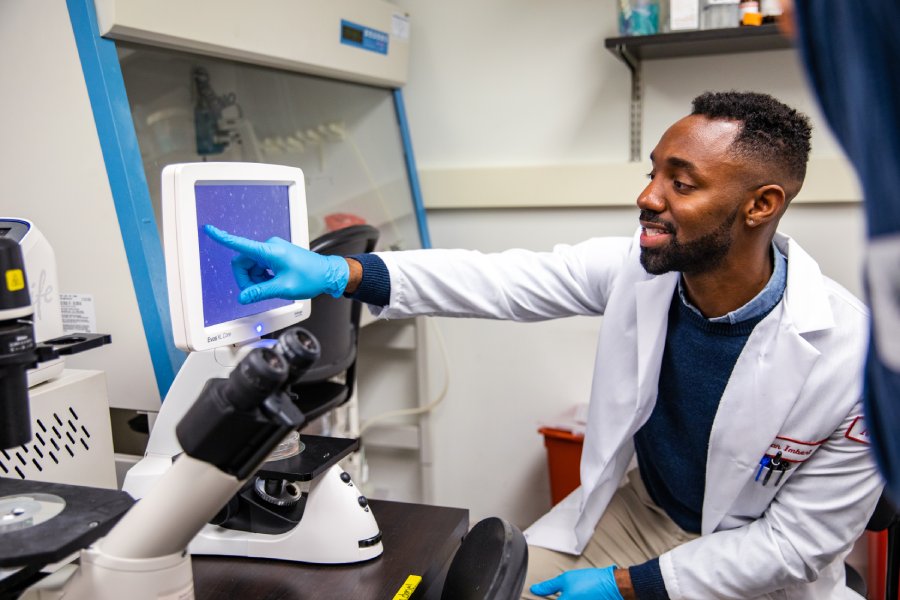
{"x": 697, "y": 256}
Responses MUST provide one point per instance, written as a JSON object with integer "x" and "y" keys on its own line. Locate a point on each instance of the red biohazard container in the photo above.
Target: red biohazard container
{"x": 563, "y": 459}
{"x": 878, "y": 556}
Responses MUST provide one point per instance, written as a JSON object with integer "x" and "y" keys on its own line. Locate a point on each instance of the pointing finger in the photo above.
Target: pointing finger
{"x": 251, "y": 248}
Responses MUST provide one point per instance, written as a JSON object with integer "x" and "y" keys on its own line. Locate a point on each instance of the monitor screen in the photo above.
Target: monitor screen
{"x": 254, "y": 211}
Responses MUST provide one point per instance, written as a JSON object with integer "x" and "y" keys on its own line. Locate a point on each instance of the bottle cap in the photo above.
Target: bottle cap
{"x": 752, "y": 19}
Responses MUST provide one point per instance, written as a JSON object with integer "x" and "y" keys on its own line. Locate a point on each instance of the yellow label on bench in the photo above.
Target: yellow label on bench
{"x": 409, "y": 586}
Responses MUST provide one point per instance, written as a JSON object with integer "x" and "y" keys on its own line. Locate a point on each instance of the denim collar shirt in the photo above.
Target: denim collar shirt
{"x": 761, "y": 304}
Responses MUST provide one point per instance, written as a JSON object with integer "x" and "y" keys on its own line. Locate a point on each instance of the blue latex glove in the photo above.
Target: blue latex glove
{"x": 581, "y": 584}
{"x": 279, "y": 269}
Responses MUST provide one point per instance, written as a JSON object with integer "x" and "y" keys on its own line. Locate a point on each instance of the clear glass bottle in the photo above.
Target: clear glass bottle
{"x": 717, "y": 14}
{"x": 770, "y": 9}
{"x": 664, "y": 16}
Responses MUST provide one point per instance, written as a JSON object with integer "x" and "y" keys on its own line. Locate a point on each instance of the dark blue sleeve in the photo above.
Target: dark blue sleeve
{"x": 375, "y": 287}
{"x": 647, "y": 581}
{"x": 851, "y": 52}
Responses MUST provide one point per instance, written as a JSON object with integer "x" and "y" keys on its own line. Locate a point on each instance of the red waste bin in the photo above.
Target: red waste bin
{"x": 563, "y": 460}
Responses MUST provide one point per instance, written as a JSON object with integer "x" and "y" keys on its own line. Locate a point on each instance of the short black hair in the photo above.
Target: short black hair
{"x": 772, "y": 132}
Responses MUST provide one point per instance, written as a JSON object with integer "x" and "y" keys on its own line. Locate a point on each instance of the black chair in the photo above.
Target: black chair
{"x": 490, "y": 563}
{"x": 335, "y": 323}
{"x": 885, "y": 518}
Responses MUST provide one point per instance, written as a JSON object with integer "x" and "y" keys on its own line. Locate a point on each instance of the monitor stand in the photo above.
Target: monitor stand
{"x": 304, "y": 508}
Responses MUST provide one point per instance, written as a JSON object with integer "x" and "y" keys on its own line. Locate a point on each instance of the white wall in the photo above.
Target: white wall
{"x": 513, "y": 82}
{"x": 530, "y": 84}
{"x": 53, "y": 174}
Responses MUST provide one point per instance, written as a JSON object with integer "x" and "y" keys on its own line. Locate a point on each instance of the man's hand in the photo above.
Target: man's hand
{"x": 278, "y": 269}
{"x": 581, "y": 584}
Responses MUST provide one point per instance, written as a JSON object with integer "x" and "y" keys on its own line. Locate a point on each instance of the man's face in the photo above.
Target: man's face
{"x": 689, "y": 208}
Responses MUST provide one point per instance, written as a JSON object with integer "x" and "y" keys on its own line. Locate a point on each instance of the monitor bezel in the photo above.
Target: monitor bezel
{"x": 183, "y": 256}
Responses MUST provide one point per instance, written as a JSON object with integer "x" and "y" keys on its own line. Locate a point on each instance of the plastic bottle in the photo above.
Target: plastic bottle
{"x": 749, "y": 11}
{"x": 638, "y": 17}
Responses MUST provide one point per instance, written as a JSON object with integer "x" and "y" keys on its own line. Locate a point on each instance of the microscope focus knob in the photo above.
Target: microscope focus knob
{"x": 277, "y": 491}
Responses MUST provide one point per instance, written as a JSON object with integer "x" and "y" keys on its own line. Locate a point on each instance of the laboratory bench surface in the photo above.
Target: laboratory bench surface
{"x": 418, "y": 540}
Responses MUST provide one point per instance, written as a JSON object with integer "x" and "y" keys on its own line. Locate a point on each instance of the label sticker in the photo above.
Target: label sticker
{"x": 858, "y": 431}
{"x": 793, "y": 450}
{"x": 409, "y": 586}
{"x": 78, "y": 314}
{"x": 15, "y": 280}
{"x": 364, "y": 37}
{"x": 400, "y": 27}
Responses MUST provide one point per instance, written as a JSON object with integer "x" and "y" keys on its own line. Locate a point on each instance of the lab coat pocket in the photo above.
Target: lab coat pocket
{"x": 755, "y": 497}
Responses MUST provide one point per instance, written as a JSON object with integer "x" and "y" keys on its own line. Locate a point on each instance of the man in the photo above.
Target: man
{"x": 727, "y": 364}
{"x": 851, "y": 51}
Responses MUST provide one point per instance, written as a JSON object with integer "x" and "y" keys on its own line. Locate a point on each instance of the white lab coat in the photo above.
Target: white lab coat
{"x": 797, "y": 378}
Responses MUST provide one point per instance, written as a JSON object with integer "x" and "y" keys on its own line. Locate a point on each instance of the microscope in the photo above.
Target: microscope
{"x": 130, "y": 550}
{"x": 231, "y": 429}
{"x": 301, "y": 505}
{"x": 40, "y": 523}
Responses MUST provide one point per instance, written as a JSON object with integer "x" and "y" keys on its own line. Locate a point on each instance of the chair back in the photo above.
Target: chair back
{"x": 885, "y": 515}
{"x": 489, "y": 565}
{"x": 335, "y": 321}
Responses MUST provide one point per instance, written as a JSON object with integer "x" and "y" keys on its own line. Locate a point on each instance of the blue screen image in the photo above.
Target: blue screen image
{"x": 256, "y": 212}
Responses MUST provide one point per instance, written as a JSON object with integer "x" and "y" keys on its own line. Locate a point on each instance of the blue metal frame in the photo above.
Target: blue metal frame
{"x": 411, "y": 168}
{"x": 125, "y": 170}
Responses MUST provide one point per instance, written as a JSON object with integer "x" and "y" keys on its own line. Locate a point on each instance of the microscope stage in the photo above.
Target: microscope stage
{"x": 88, "y": 514}
{"x": 318, "y": 455}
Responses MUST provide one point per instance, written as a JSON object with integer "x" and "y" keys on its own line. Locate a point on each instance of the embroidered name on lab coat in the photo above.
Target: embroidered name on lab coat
{"x": 858, "y": 431}
{"x": 793, "y": 450}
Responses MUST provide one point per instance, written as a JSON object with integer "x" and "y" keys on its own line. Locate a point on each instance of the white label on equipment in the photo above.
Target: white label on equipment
{"x": 400, "y": 27}
{"x": 78, "y": 313}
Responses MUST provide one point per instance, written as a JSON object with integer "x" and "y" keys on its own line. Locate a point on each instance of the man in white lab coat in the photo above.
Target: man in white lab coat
{"x": 728, "y": 365}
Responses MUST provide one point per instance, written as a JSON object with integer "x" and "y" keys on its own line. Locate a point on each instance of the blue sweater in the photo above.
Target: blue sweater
{"x": 671, "y": 447}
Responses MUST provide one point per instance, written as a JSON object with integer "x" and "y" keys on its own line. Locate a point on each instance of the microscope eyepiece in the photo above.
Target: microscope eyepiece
{"x": 300, "y": 349}
{"x": 262, "y": 372}
{"x": 236, "y": 422}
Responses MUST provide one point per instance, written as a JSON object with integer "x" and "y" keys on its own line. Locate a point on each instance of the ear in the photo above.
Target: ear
{"x": 767, "y": 205}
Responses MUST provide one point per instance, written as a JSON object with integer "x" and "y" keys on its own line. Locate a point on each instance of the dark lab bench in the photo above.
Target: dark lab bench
{"x": 418, "y": 540}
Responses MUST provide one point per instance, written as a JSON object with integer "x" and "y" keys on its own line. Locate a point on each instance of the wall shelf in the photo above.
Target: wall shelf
{"x": 632, "y": 50}
{"x": 699, "y": 43}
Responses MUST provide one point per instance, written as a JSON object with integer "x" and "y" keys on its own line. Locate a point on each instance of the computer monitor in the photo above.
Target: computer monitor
{"x": 251, "y": 200}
